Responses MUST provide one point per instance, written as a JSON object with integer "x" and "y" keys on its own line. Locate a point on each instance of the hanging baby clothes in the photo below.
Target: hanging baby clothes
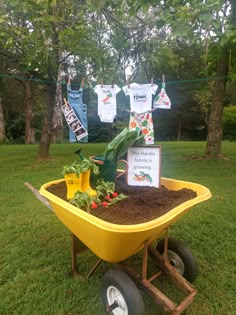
{"x": 143, "y": 123}
{"x": 162, "y": 100}
{"x": 141, "y": 105}
{"x": 73, "y": 122}
{"x": 75, "y": 100}
{"x": 106, "y": 101}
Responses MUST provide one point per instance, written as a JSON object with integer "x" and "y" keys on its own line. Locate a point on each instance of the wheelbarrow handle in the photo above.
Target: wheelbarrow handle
{"x": 38, "y": 195}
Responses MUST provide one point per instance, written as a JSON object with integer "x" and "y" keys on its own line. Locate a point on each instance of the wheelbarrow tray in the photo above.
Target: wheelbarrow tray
{"x": 113, "y": 242}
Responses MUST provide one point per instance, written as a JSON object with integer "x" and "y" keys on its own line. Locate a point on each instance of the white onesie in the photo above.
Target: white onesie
{"x": 140, "y": 96}
{"x": 106, "y": 101}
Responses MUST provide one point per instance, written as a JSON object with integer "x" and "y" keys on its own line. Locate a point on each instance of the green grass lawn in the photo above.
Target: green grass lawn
{"x": 35, "y": 247}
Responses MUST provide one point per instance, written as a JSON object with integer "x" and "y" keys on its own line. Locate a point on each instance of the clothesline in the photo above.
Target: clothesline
{"x": 157, "y": 82}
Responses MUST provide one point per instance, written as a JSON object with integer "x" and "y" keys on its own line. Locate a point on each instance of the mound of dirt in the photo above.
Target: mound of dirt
{"x": 143, "y": 203}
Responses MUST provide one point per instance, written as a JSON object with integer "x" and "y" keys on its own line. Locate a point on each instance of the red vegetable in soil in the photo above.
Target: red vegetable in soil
{"x": 105, "y": 204}
{"x": 108, "y": 198}
{"x": 115, "y": 194}
{"x": 94, "y": 205}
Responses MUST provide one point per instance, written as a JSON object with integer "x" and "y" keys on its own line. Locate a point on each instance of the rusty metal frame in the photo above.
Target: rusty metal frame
{"x": 77, "y": 249}
{"x": 165, "y": 267}
{"x": 141, "y": 277}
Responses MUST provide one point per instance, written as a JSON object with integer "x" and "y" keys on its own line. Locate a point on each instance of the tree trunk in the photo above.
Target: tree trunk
{"x": 57, "y": 120}
{"x": 214, "y": 137}
{"x": 29, "y": 131}
{"x": 2, "y": 124}
{"x": 45, "y": 140}
{"x": 179, "y": 130}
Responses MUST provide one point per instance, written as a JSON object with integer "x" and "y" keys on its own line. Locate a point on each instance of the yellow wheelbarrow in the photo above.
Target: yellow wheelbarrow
{"x": 116, "y": 243}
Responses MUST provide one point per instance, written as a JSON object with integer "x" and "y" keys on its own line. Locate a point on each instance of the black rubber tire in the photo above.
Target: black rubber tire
{"x": 184, "y": 255}
{"x": 118, "y": 280}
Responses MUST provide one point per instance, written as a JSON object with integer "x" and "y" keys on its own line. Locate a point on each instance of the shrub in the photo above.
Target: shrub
{"x": 229, "y": 123}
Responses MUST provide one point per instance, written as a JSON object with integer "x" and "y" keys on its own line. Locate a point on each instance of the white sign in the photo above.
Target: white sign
{"x": 144, "y": 166}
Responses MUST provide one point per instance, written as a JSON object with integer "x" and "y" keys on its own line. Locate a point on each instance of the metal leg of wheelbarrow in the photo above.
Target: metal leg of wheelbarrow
{"x": 165, "y": 267}
{"x": 78, "y": 248}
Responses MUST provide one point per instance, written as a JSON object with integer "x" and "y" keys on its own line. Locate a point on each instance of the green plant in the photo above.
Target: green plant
{"x": 80, "y": 167}
{"x": 104, "y": 188}
{"x": 121, "y": 143}
{"x": 116, "y": 199}
{"x": 83, "y": 200}
{"x": 229, "y": 123}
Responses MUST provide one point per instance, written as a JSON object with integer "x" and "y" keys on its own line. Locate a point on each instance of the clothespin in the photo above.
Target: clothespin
{"x": 101, "y": 82}
{"x": 151, "y": 81}
{"x": 113, "y": 82}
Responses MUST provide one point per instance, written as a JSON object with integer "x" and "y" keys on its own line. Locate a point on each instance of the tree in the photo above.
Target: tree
{"x": 14, "y": 27}
{"x": 159, "y": 51}
{"x": 183, "y": 39}
{"x": 40, "y": 36}
{"x": 2, "y": 124}
{"x": 211, "y": 25}
{"x": 28, "y": 111}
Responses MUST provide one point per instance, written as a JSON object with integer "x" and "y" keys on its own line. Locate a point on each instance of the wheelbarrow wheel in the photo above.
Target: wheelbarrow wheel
{"x": 120, "y": 294}
{"x": 181, "y": 258}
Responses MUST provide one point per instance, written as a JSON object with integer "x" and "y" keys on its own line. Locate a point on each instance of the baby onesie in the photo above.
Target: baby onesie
{"x": 106, "y": 101}
{"x": 140, "y": 96}
{"x": 140, "y": 105}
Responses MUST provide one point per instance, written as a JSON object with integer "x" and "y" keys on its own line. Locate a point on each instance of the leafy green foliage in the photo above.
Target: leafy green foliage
{"x": 80, "y": 167}
{"x": 115, "y": 200}
{"x": 182, "y": 39}
{"x": 105, "y": 191}
{"x": 229, "y": 123}
{"x": 104, "y": 188}
{"x": 82, "y": 200}
{"x": 120, "y": 144}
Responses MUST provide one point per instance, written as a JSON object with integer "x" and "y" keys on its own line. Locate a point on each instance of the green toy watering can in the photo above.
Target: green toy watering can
{"x": 108, "y": 169}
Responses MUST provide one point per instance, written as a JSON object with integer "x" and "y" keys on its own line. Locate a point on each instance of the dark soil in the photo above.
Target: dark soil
{"x": 143, "y": 203}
